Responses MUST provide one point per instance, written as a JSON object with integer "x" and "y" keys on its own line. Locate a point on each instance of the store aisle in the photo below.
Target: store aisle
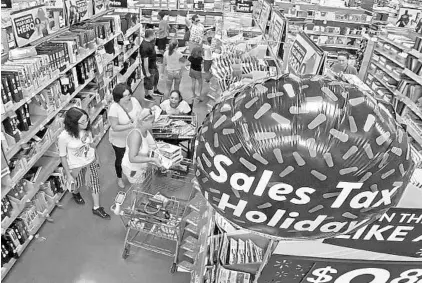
{"x": 82, "y": 248}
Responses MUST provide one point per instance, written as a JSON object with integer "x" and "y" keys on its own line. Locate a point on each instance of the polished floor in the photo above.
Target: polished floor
{"x": 79, "y": 247}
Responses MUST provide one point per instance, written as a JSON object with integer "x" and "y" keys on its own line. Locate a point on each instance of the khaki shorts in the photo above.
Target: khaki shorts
{"x": 135, "y": 177}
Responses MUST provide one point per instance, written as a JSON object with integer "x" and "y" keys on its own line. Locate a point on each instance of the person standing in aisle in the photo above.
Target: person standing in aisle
{"x": 207, "y": 59}
{"x": 342, "y": 66}
{"x": 195, "y": 72}
{"x": 172, "y": 65}
{"x": 196, "y": 30}
{"x": 149, "y": 65}
{"x": 79, "y": 157}
{"x": 138, "y": 160}
{"x": 121, "y": 114}
{"x": 163, "y": 33}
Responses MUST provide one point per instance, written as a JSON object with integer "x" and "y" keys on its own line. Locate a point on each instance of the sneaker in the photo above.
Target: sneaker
{"x": 149, "y": 97}
{"x": 101, "y": 213}
{"x": 158, "y": 93}
{"x": 78, "y": 198}
{"x": 120, "y": 183}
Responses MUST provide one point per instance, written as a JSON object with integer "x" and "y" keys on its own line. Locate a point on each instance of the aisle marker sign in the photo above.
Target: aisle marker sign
{"x": 397, "y": 232}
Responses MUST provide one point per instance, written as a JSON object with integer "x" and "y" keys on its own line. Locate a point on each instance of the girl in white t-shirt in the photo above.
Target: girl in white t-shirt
{"x": 121, "y": 114}
{"x": 78, "y": 157}
{"x": 175, "y": 105}
{"x": 140, "y": 143}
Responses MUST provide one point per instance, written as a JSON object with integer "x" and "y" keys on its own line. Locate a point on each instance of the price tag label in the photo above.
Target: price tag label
{"x": 64, "y": 80}
{"x": 126, "y": 42}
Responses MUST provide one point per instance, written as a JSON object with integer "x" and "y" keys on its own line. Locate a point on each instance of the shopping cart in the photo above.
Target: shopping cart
{"x": 153, "y": 209}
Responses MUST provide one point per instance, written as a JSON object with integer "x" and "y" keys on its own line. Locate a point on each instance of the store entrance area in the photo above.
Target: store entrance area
{"x": 80, "y": 247}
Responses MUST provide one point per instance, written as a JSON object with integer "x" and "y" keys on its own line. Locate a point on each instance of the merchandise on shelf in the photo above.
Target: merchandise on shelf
{"x": 38, "y": 85}
{"x": 394, "y": 72}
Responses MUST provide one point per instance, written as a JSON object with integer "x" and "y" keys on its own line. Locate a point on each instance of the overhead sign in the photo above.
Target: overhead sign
{"x": 282, "y": 268}
{"x": 244, "y": 6}
{"x": 305, "y": 57}
{"x": 277, "y": 32}
{"x": 118, "y": 3}
{"x": 6, "y": 4}
{"x": 397, "y": 232}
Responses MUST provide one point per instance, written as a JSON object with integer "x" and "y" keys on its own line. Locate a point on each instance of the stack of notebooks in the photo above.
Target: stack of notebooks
{"x": 239, "y": 251}
{"x": 169, "y": 154}
{"x": 230, "y": 276}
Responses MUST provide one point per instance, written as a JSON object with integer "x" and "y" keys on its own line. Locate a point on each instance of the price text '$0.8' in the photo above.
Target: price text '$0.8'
{"x": 379, "y": 275}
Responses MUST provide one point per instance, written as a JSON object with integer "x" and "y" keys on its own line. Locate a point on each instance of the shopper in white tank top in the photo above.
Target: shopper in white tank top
{"x": 139, "y": 143}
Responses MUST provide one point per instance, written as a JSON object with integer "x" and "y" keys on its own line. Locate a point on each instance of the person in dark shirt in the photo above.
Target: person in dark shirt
{"x": 149, "y": 65}
{"x": 195, "y": 72}
{"x": 404, "y": 19}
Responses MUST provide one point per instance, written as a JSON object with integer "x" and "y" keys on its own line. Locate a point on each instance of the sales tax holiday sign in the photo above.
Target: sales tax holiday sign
{"x": 397, "y": 232}
{"x": 281, "y": 268}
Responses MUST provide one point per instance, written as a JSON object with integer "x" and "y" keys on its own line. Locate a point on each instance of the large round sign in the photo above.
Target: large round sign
{"x": 309, "y": 158}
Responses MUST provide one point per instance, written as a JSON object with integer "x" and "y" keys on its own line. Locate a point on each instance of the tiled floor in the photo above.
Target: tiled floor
{"x": 82, "y": 248}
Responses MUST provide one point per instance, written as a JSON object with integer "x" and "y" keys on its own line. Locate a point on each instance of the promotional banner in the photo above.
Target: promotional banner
{"x": 101, "y": 6}
{"x": 264, "y": 16}
{"x": 282, "y": 268}
{"x": 243, "y": 6}
{"x": 307, "y": 158}
{"x": 305, "y": 56}
{"x": 30, "y": 24}
{"x": 118, "y": 4}
{"x": 277, "y": 33}
{"x": 6, "y": 4}
{"x": 78, "y": 10}
{"x": 397, "y": 232}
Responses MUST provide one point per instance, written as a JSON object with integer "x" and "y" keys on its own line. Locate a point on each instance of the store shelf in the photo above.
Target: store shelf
{"x": 409, "y": 103}
{"x": 129, "y": 71}
{"x": 339, "y": 46}
{"x": 389, "y": 72}
{"x": 82, "y": 57}
{"x": 6, "y": 268}
{"x": 116, "y": 71}
{"x": 20, "y": 175}
{"x": 41, "y": 121}
{"x": 130, "y": 52}
{"x": 416, "y": 54}
{"x": 45, "y": 173}
{"x": 132, "y": 30}
{"x": 389, "y": 57}
{"x": 97, "y": 111}
{"x": 383, "y": 83}
{"x": 111, "y": 57}
{"x": 392, "y": 42}
{"x": 101, "y": 136}
{"x": 333, "y": 34}
{"x": 17, "y": 105}
{"x": 412, "y": 129}
{"x": 413, "y": 76}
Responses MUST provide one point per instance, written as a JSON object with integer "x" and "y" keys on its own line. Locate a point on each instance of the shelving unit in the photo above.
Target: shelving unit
{"x": 46, "y": 156}
{"x": 334, "y": 29}
{"x": 205, "y": 248}
{"x": 390, "y": 50}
